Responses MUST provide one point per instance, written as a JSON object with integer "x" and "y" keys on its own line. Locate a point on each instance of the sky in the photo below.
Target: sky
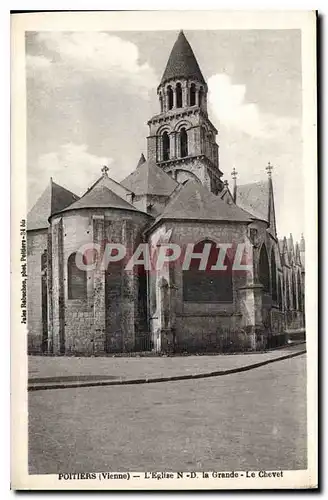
{"x": 90, "y": 95}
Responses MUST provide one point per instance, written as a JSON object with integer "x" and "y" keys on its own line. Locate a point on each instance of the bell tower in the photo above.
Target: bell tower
{"x": 181, "y": 137}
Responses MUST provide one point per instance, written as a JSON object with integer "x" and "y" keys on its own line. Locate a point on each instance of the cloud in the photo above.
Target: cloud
{"x": 230, "y": 107}
{"x": 37, "y": 62}
{"x": 96, "y": 55}
{"x": 72, "y": 166}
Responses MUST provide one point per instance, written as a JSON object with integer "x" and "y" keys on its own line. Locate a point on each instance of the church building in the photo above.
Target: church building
{"x": 175, "y": 196}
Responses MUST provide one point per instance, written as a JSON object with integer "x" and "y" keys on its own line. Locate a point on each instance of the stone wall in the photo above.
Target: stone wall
{"x": 106, "y": 320}
{"x": 200, "y": 325}
{"x": 36, "y": 245}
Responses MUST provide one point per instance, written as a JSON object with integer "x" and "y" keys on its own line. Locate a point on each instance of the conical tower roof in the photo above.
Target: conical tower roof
{"x": 182, "y": 62}
{"x": 53, "y": 199}
{"x": 196, "y": 202}
{"x": 148, "y": 178}
{"x": 101, "y": 196}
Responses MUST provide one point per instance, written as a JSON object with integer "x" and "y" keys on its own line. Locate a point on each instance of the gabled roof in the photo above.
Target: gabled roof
{"x": 182, "y": 62}
{"x": 194, "y": 201}
{"x": 53, "y": 199}
{"x": 148, "y": 178}
{"x": 101, "y": 196}
{"x": 254, "y": 198}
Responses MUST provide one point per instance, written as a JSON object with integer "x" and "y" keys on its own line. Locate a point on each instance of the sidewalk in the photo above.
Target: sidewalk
{"x": 68, "y": 372}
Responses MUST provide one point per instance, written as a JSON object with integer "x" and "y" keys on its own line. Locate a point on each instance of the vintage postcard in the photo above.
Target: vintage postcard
{"x": 164, "y": 250}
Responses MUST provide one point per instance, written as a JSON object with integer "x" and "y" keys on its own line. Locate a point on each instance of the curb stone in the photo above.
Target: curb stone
{"x": 174, "y": 378}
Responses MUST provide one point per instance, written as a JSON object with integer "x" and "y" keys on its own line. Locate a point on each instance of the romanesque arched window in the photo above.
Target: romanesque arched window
{"x": 264, "y": 270}
{"x": 169, "y": 97}
{"x": 207, "y": 286}
{"x": 273, "y": 277}
{"x": 76, "y": 279}
{"x": 192, "y": 95}
{"x": 183, "y": 143}
{"x": 178, "y": 91}
{"x": 161, "y": 102}
{"x": 166, "y": 146}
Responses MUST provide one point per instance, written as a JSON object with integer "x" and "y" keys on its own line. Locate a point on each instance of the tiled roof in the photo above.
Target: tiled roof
{"x": 148, "y": 178}
{"x": 254, "y": 198}
{"x": 182, "y": 62}
{"x": 112, "y": 185}
{"x": 100, "y": 196}
{"x": 53, "y": 199}
{"x": 194, "y": 201}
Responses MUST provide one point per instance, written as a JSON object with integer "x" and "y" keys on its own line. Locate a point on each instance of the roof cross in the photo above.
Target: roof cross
{"x": 105, "y": 170}
{"x": 269, "y": 169}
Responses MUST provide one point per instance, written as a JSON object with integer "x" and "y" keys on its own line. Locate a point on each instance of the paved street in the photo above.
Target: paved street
{"x": 249, "y": 420}
{"x": 43, "y": 368}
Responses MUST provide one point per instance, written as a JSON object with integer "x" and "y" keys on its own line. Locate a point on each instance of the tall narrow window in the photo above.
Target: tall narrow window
{"x": 200, "y": 96}
{"x": 169, "y": 97}
{"x": 299, "y": 292}
{"x": 294, "y": 305}
{"x": 178, "y": 91}
{"x": 166, "y": 146}
{"x": 203, "y": 140}
{"x": 77, "y": 279}
{"x": 280, "y": 293}
{"x": 192, "y": 95}
{"x": 273, "y": 277}
{"x": 183, "y": 143}
{"x": 161, "y": 102}
{"x": 287, "y": 288}
{"x": 264, "y": 271}
{"x": 208, "y": 285}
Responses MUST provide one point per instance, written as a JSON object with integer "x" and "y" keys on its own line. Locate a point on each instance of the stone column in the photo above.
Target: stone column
{"x": 99, "y": 303}
{"x": 250, "y": 298}
{"x": 177, "y": 145}
{"x": 197, "y": 95}
{"x": 58, "y": 297}
{"x": 173, "y": 137}
{"x": 185, "y": 92}
{"x": 172, "y": 315}
{"x": 166, "y": 101}
{"x": 163, "y": 312}
{"x": 129, "y": 293}
{"x": 49, "y": 292}
{"x": 174, "y": 90}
